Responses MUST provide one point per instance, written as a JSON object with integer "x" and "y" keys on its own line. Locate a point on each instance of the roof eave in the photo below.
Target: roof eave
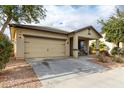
{"x": 75, "y": 31}
{"x": 30, "y": 27}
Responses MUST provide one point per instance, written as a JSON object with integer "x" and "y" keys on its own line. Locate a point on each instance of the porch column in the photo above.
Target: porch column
{"x": 97, "y": 47}
{"x": 75, "y": 46}
{"x": 67, "y": 52}
{"x": 87, "y": 47}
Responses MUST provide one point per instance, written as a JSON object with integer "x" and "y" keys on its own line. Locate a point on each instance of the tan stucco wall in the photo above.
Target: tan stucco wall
{"x": 122, "y": 45}
{"x": 67, "y": 45}
{"x": 84, "y": 34}
{"x": 14, "y": 43}
{"x": 71, "y": 35}
{"x": 41, "y": 33}
{"x": 19, "y": 41}
{"x": 19, "y": 45}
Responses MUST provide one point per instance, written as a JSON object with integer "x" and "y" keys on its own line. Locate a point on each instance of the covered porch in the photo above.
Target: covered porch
{"x": 79, "y": 41}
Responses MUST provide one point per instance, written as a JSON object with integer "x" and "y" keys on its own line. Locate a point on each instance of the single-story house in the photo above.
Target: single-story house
{"x": 47, "y": 42}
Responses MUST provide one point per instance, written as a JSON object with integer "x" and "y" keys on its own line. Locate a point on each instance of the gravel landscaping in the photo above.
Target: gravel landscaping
{"x": 109, "y": 64}
{"x": 18, "y": 74}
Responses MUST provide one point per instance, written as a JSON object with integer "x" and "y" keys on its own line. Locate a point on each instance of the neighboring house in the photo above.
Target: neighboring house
{"x": 46, "y": 42}
{"x": 110, "y": 44}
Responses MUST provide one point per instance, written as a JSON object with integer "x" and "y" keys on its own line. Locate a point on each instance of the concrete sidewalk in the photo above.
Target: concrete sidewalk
{"x": 109, "y": 79}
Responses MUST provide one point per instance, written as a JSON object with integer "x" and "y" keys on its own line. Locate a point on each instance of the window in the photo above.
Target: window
{"x": 89, "y": 31}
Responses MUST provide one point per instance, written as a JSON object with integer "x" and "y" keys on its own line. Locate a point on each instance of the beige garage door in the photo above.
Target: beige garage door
{"x": 42, "y": 47}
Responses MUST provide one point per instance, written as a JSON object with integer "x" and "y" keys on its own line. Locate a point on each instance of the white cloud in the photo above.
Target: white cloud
{"x": 69, "y": 18}
{"x": 106, "y": 11}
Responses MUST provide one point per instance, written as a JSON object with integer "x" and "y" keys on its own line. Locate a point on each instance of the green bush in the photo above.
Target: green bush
{"x": 117, "y": 51}
{"x": 102, "y": 47}
{"x": 5, "y": 50}
{"x": 122, "y": 52}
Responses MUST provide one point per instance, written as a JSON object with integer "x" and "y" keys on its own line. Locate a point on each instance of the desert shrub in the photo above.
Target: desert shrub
{"x": 105, "y": 53}
{"x": 102, "y": 58}
{"x": 117, "y": 51}
{"x": 5, "y": 50}
{"x": 117, "y": 59}
{"x": 122, "y": 52}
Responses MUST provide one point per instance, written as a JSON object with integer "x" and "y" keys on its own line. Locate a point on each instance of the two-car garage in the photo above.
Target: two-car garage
{"x": 43, "y": 47}
{"x": 39, "y": 42}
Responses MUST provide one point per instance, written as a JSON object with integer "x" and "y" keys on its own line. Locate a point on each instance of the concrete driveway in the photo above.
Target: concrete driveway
{"x": 52, "y": 72}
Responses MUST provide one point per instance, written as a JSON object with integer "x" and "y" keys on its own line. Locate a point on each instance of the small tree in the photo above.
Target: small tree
{"x": 114, "y": 28}
{"x": 16, "y": 14}
{"x": 20, "y": 14}
{"x": 5, "y": 50}
{"x": 102, "y": 46}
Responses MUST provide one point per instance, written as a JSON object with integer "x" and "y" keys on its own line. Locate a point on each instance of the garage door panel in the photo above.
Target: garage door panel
{"x": 41, "y": 47}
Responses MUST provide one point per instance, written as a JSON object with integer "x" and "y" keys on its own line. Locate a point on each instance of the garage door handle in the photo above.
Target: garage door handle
{"x": 26, "y": 42}
{"x": 26, "y": 52}
{"x": 47, "y": 49}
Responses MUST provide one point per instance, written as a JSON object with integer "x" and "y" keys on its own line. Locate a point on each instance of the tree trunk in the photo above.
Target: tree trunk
{"x": 118, "y": 44}
{"x": 5, "y": 25}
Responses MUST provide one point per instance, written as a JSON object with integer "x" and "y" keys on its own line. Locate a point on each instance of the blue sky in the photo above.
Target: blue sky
{"x": 72, "y": 17}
